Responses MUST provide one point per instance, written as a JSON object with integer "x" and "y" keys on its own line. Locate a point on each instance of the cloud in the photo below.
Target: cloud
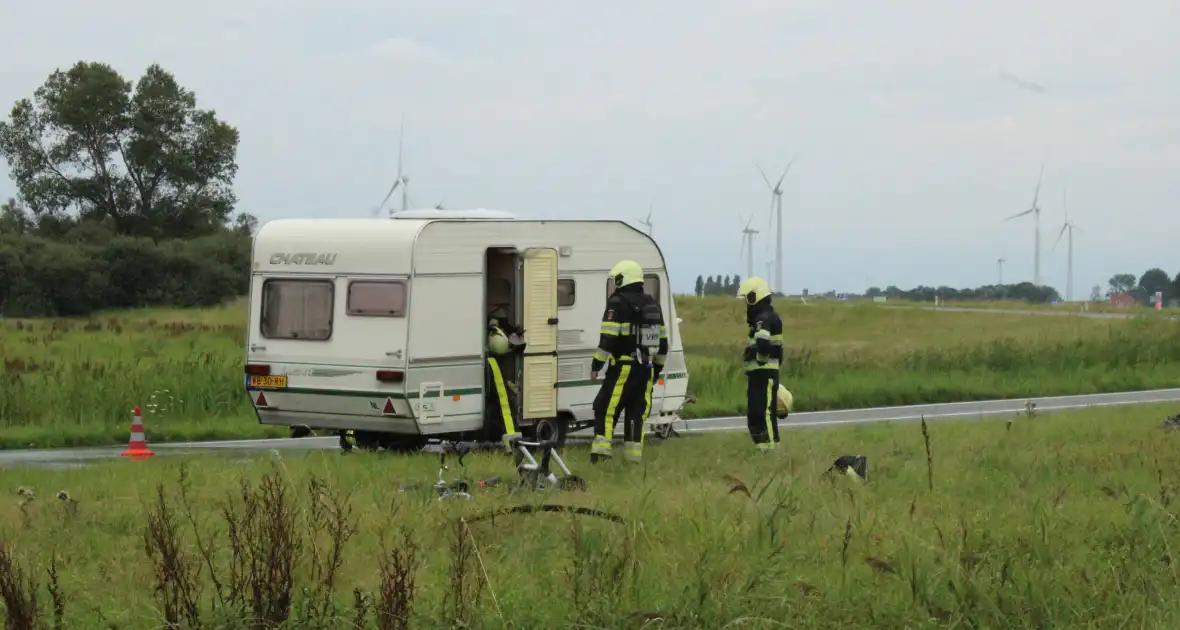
{"x": 1021, "y": 83}
{"x": 912, "y": 147}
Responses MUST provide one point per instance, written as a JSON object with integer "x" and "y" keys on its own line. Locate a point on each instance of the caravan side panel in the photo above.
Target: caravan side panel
{"x": 447, "y": 334}
{"x": 331, "y": 379}
{"x": 588, "y": 250}
{"x": 357, "y": 246}
{"x": 458, "y": 246}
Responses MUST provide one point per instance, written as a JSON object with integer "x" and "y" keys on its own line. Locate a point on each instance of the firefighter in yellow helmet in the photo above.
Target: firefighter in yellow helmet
{"x": 500, "y": 401}
{"x": 761, "y": 362}
{"x": 632, "y": 345}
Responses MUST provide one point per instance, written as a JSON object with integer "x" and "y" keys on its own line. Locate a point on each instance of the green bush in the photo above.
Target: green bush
{"x": 91, "y": 270}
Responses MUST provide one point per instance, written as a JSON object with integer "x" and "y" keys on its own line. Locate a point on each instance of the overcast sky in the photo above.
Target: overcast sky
{"x": 914, "y": 134}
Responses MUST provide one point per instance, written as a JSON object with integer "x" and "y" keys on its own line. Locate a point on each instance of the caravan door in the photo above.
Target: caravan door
{"x": 539, "y": 394}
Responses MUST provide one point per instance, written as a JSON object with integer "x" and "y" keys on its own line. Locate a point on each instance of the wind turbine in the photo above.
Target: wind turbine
{"x": 647, "y": 221}
{"x": 1000, "y": 268}
{"x": 776, "y": 207}
{"x": 1069, "y": 245}
{"x": 748, "y": 246}
{"x": 1036, "y": 211}
{"x": 402, "y": 180}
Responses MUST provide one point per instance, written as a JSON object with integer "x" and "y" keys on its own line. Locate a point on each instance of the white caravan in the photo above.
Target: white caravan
{"x": 380, "y": 325}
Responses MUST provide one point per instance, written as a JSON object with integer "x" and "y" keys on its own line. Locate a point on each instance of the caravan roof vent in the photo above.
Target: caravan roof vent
{"x": 474, "y": 213}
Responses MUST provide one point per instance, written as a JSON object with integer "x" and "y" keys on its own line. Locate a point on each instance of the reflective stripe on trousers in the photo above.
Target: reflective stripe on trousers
{"x": 602, "y": 443}
{"x": 770, "y": 400}
{"x": 502, "y": 397}
{"x": 633, "y": 451}
{"x": 761, "y": 390}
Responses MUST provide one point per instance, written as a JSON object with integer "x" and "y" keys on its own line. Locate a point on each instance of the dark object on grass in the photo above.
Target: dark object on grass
{"x": 851, "y": 465}
{"x": 537, "y": 509}
{"x": 1172, "y": 422}
{"x": 300, "y": 431}
{"x": 459, "y": 489}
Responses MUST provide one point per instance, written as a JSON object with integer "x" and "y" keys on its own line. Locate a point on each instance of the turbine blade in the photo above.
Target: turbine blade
{"x": 770, "y": 217}
{"x": 785, "y": 171}
{"x": 764, "y": 177}
{"x": 389, "y": 194}
{"x": 1065, "y": 199}
{"x": 1059, "y": 235}
{"x": 1037, "y": 193}
{"x": 1019, "y": 214}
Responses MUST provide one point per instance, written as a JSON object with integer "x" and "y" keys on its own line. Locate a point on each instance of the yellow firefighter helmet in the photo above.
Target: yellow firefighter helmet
{"x": 784, "y": 401}
{"x": 626, "y": 272}
{"x": 497, "y": 342}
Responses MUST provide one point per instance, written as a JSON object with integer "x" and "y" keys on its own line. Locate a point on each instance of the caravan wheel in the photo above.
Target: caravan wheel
{"x": 550, "y": 429}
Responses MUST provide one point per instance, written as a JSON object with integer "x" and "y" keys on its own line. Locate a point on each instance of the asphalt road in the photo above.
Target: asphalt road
{"x": 945, "y": 411}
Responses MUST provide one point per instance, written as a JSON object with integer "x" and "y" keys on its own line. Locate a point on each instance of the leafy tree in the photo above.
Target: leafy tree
{"x": 1121, "y": 282}
{"x": 91, "y": 269}
{"x": 245, "y": 224}
{"x": 1154, "y": 280}
{"x": 146, "y": 160}
{"x": 14, "y": 219}
{"x": 1176, "y": 287}
{"x": 719, "y": 285}
{"x": 1096, "y": 293}
{"x": 699, "y": 288}
{"x": 1025, "y": 291}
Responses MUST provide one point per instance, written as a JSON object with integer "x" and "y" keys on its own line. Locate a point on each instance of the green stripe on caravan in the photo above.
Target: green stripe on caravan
{"x": 458, "y": 391}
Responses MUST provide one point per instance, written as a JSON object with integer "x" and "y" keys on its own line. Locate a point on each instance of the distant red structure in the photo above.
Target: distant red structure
{"x": 1122, "y": 300}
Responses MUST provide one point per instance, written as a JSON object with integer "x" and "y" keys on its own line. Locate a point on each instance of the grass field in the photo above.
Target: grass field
{"x": 1018, "y": 305}
{"x": 1063, "y": 521}
{"x": 70, "y": 382}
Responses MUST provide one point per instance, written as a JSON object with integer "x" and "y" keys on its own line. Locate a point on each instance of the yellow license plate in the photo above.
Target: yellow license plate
{"x": 269, "y": 382}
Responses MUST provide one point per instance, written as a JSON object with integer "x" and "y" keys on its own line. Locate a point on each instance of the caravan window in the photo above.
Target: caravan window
{"x": 651, "y": 286}
{"x": 566, "y": 293}
{"x": 297, "y": 309}
{"x": 377, "y": 298}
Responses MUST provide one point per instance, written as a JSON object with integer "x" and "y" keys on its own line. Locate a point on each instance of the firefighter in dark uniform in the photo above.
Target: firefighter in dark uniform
{"x": 633, "y": 344}
{"x": 500, "y": 401}
{"x": 761, "y": 362}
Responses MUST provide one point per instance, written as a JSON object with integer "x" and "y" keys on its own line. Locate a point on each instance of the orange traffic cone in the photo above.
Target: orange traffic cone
{"x": 137, "y": 446}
